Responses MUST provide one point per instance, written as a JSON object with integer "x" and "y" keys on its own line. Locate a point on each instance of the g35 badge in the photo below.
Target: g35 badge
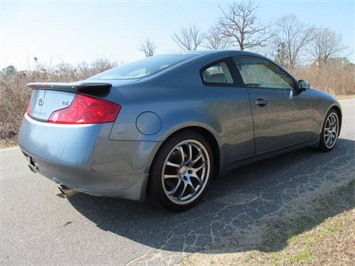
{"x": 40, "y": 102}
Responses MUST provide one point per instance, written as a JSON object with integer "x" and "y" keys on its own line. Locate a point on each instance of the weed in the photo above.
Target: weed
{"x": 303, "y": 256}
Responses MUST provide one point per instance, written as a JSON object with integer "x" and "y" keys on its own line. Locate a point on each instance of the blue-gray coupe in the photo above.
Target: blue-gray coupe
{"x": 165, "y": 125}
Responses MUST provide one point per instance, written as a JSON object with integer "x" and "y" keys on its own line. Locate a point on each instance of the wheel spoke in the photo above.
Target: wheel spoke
{"x": 173, "y": 191}
{"x": 198, "y": 157}
{"x": 333, "y": 121}
{"x": 182, "y": 153}
{"x": 327, "y": 141}
{"x": 190, "y": 152}
{"x": 173, "y": 164}
{"x": 183, "y": 191}
{"x": 193, "y": 188}
{"x": 171, "y": 176}
{"x": 199, "y": 168}
{"x": 332, "y": 138}
{"x": 197, "y": 178}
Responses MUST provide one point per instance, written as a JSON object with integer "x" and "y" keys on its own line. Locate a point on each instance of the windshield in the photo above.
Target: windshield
{"x": 143, "y": 67}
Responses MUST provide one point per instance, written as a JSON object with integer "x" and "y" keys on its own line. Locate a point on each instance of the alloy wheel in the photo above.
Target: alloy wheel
{"x": 186, "y": 171}
{"x": 331, "y": 130}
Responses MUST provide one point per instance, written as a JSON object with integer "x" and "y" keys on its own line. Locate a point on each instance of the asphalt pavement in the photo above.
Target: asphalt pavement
{"x": 40, "y": 227}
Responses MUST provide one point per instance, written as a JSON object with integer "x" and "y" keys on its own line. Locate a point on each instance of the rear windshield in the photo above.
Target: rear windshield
{"x": 143, "y": 67}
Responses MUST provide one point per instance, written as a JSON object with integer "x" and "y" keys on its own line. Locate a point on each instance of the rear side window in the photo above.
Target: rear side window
{"x": 217, "y": 74}
{"x": 144, "y": 67}
{"x": 257, "y": 72}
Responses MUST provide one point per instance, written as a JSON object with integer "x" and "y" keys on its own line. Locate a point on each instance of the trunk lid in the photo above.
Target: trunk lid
{"x": 50, "y": 97}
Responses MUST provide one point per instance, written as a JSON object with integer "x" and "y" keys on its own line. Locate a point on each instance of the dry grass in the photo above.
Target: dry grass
{"x": 330, "y": 242}
{"x": 335, "y": 79}
{"x": 14, "y": 96}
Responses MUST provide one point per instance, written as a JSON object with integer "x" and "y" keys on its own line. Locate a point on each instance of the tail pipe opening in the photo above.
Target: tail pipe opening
{"x": 66, "y": 191}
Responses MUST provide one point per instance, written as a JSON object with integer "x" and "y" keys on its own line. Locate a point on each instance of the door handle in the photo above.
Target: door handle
{"x": 261, "y": 102}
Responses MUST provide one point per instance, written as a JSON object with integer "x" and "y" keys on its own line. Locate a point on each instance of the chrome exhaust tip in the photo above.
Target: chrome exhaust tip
{"x": 66, "y": 191}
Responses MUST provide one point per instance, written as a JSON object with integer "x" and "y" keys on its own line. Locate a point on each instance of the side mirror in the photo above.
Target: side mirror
{"x": 303, "y": 85}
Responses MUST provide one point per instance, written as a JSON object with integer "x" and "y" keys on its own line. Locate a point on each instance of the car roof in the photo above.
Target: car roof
{"x": 198, "y": 59}
{"x": 227, "y": 52}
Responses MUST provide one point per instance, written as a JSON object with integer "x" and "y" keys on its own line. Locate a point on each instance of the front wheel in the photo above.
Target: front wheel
{"x": 330, "y": 131}
{"x": 181, "y": 171}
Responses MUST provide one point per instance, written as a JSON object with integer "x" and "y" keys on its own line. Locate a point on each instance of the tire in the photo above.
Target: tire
{"x": 330, "y": 131}
{"x": 181, "y": 171}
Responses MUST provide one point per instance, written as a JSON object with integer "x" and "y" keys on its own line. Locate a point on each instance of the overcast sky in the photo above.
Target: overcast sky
{"x": 76, "y": 31}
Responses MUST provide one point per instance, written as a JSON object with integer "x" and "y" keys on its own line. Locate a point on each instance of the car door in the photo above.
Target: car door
{"x": 281, "y": 116}
{"x": 229, "y": 105}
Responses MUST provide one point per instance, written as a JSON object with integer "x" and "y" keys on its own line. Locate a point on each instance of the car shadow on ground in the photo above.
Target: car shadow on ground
{"x": 259, "y": 206}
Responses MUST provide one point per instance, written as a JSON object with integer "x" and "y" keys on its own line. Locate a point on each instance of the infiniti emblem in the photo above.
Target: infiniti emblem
{"x": 40, "y": 102}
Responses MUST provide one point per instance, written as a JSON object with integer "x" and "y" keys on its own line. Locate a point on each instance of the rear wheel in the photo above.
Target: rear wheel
{"x": 330, "y": 131}
{"x": 181, "y": 171}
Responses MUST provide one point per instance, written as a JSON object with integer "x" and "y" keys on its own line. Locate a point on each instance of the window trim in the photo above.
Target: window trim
{"x": 282, "y": 69}
{"x": 232, "y": 69}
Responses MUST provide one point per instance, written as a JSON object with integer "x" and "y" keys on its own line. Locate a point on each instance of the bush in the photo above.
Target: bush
{"x": 14, "y": 96}
{"x": 334, "y": 78}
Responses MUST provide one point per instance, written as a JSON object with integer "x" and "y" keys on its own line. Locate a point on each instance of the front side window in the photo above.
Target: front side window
{"x": 217, "y": 74}
{"x": 257, "y": 72}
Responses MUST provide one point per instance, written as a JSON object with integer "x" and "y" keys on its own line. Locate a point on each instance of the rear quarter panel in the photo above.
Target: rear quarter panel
{"x": 223, "y": 111}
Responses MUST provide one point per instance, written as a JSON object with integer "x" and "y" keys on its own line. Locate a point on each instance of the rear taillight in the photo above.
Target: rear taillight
{"x": 86, "y": 110}
{"x": 28, "y": 108}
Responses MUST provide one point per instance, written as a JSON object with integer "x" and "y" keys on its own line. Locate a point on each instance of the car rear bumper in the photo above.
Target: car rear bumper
{"x": 84, "y": 159}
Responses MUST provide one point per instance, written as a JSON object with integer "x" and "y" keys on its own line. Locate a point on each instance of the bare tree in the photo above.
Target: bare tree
{"x": 290, "y": 39}
{"x": 84, "y": 70}
{"x": 241, "y": 25}
{"x": 189, "y": 38}
{"x": 325, "y": 44}
{"x": 102, "y": 64}
{"x": 214, "y": 40}
{"x": 148, "y": 47}
{"x": 281, "y": 54}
